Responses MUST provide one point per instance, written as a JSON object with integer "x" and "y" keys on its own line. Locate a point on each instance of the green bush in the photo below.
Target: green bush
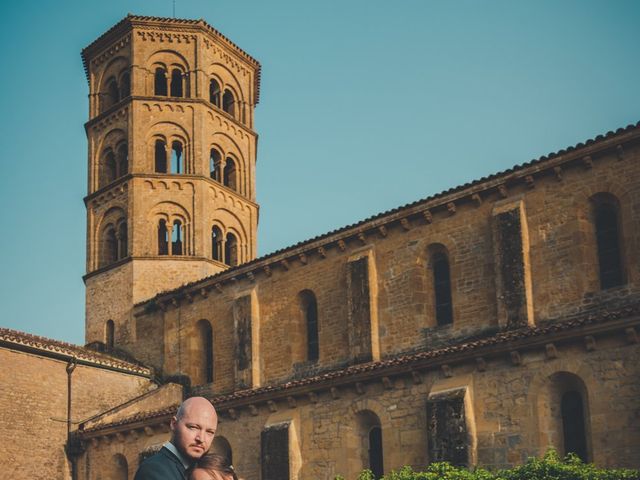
{"x": 550, "y": 467}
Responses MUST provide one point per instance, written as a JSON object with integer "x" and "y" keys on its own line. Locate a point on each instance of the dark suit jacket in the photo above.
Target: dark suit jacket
{"x": 164, "y": 465}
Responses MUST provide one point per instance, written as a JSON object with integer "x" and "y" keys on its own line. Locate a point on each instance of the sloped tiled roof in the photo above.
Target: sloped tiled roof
{"x": 514, "y": 172}
{"x": 502, "y": 338}
{"x": 138, "y": 417}
{"x": 17, "y": 340}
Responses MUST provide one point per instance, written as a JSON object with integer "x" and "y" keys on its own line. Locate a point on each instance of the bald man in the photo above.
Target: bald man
{"x": 192, "y": 431}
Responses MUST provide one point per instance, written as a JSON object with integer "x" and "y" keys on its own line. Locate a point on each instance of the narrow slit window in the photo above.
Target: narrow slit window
{"x": 123, "y": 160}
{"x": 442, "y": 287}
{"x": 214, "y": 164}
{"x": 573, "y": 425}
{"x": 123, "y": 240}
{"x": 608, "y": 242}
{"x": 125, "y": 85}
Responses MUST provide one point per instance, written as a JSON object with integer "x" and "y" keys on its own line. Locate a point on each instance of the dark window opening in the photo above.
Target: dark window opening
{"x": 310, "y": 311}
{"x": 216, "y": 243}
{"x": 573, "y": 425}
{"x": 111, "y": 246}
{"x": 163, "y": 238}
{"x": 231, "y": 250}
{"x": 110, "y": 168}
{"x": 113, "y": 93}
{"x": 228, "y": 103}
{"x": 214, "y": 164}
{"x": 109, "y": 334}
{"x": 214, "y": 92}
{"x": 206, "y": 337}
{"x": 375, "y": 452}
{"x": 177, "y": 162}
{"x": 161, "y": 156}
{"x": 160, "y": 82}
{"x": 230, "y": 174}
{"x": 176, "y": 238}
{"x": 125, "y": 85}
{"x": 442, "y": 287}
{"x": 608, "y": 241}
{"x": 177, "y": 89}
{"x": 123, "y": 160}
{"x": 122, "y": 240}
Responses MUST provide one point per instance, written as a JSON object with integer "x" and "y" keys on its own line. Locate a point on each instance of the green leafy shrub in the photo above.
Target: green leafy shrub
{"x": 550, "y": 467}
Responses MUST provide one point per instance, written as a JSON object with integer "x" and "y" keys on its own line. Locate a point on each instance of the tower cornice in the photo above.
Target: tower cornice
{"x": 127, "y": 24}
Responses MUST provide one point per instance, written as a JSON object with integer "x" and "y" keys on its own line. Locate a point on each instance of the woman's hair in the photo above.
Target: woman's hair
{"x": 213, "y": 462}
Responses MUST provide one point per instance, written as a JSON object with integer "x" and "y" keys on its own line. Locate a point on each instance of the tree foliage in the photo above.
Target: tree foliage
{"x": 550, "y": 467}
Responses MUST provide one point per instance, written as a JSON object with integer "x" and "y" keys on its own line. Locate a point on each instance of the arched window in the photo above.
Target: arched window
{"x": 110, "y": 168}
{"x": 216, "y": 243}
{"x": 160, "y": 82}
{"x": 369, "y": 433}
{"x": 214, "y": 164}
{"x": 177, "y": 161}
{"x": 163, "y": 238}
{"x": 109, "y": 334}
{"x": 214, "y": 92}
{"x": 310, "y": 314}
{"x": 110, "y": 246}
{"x": 229, "y": 103}
{"x": 573, "y": 428}
{"x": 125, "y": 85}
{"x": 176, "y": 238}
{"x": 160, "y": 154}
{"x": 177, "y": 89}
{"x": 230, "y": 173}
{"x": 113, "y": 93}
{"x": 123, "y": 160}
{"x": 122, "y": 240}
{"x": 205, "y": 334}
{"x": 442, "y": 288}
{"x": 231, "y": 250}
{"x": 120, "y": 468}
{"x": 606, "y": 215}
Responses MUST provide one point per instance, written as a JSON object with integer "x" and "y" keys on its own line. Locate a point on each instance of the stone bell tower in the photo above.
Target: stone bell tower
{"x": 171, "y": 155}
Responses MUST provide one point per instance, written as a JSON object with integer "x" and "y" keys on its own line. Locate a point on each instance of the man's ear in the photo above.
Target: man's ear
{"x": 174, "y": 420}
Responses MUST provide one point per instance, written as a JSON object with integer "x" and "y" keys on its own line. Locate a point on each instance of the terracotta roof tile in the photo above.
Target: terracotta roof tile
{"x": 505, "y": 173}
{"x": 46, "y": 346}
{"x": 498, "y": 339}
{"x": 138, "y": 417}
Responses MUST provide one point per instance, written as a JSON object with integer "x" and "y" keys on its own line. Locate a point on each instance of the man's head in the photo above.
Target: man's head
{"x": 193, "y": 427}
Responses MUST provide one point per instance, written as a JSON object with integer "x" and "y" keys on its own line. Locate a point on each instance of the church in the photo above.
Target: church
{"x": 481, "y": 325}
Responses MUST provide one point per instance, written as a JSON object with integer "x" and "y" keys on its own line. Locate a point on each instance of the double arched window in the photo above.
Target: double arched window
{"x": 114, "y": 243}
{"x": 171, "y": 160}
{"x": 114, "y": 164}
{"x": 115, "y": 88}
{"x": 224, "y": 248}
{"x": 224, "y": 171}
{"x": 169, "y": 83}
{"x": 225, "y": 97}
{"x": 171, "y": 237}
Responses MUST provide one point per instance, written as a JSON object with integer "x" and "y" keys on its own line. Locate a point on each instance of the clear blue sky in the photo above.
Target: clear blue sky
{"x": 366, "y": 105}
